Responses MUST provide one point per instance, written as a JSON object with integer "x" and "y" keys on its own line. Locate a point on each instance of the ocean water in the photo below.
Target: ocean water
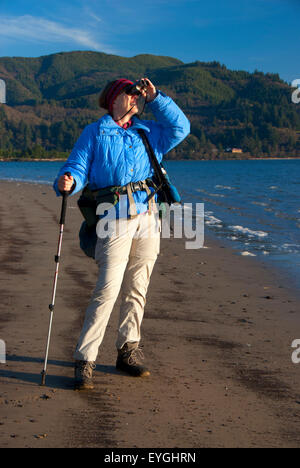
{"x": 253, "y": 206}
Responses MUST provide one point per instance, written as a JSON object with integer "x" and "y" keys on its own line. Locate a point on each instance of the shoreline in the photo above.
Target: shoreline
{"x": 217, "y": 336}
{"x": 280, "y": 274}
{"x": 32, "y": 160}
{"x": 187, "y": 160}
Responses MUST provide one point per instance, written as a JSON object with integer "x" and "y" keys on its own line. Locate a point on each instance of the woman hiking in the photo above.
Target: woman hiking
{"x": 111, "y": 152}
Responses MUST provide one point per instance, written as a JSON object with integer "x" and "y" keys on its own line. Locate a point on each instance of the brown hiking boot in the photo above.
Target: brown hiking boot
{"x": 84, "y": 375}
{"x": 130, "y": 360}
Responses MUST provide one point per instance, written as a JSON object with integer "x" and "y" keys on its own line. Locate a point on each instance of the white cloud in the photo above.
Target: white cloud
{"x": 37, "y": 29}
{"x": 93, "y": 15}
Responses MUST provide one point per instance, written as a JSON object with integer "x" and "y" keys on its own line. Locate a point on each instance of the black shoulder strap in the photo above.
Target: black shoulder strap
{"x": 153, "y": 159}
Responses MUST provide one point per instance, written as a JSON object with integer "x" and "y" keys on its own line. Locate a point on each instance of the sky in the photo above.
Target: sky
{"x": 241, "y": 34}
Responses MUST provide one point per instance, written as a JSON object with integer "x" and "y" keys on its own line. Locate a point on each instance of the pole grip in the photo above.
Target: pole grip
{"x": 64, "y": 204}
{"x": 63, "y": 208}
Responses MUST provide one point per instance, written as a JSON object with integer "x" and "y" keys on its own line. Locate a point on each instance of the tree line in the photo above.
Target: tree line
{"x": 51, "y": 100}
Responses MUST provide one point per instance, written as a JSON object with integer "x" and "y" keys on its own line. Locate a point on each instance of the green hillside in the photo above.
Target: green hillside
{"x": 50, "y": 99}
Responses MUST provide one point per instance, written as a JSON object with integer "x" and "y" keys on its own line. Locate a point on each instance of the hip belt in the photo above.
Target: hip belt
{"x": 90, "y": 199}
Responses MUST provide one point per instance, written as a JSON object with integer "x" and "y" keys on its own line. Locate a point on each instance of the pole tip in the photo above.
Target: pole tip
{"x": 43, "y": 378}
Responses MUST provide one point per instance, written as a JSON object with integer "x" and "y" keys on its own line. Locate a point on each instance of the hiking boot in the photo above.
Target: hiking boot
{"x": 130, "y": 360}
{"x": 84, "y": 375}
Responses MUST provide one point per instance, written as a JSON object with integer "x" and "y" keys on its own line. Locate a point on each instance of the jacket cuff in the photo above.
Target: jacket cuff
{"x": 159, "y": 101}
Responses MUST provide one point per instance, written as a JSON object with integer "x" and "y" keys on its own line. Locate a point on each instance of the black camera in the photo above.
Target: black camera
{"x": 137, "y": 88}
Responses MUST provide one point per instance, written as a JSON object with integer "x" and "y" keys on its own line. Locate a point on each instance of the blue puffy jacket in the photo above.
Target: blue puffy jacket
{"x": 106, "y": 154}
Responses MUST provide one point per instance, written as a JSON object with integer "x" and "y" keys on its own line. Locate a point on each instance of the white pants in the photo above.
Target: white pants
{"x": 126, "y": 259}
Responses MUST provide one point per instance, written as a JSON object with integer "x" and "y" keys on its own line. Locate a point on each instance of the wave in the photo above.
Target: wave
{"x": 290, "y": 248}
{"x": 248, "y": 254}
{"x": 26, "y": 181}
{"x": 259, "y": 203}
{"x": 224, "y": 187}
{"x": 219, "y": 195}
{"x": 248, "y": 232}
{"x": 211, "y": 220}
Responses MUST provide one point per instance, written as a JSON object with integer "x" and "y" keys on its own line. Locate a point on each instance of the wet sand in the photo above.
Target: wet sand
{"x": 217, "y": 336}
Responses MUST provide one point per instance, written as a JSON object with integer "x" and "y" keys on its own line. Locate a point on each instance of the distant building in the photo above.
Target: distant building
{"x": 2, "y": 92}
{"x": 234, "y": 150}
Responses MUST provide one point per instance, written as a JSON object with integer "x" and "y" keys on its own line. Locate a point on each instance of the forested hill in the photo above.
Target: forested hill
{"x": 50, "y": 99}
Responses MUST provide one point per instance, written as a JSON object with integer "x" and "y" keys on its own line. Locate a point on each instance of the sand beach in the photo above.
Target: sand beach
{"x": 217, "y": 336}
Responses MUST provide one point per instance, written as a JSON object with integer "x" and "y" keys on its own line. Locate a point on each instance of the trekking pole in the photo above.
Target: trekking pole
{"x": 57, "y": 258}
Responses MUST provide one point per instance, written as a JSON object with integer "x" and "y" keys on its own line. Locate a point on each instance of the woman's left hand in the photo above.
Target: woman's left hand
{"x": 150, "y": 93}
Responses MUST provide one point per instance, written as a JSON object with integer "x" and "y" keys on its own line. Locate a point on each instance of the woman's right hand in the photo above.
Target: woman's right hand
{"x": 65, "y": 183}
